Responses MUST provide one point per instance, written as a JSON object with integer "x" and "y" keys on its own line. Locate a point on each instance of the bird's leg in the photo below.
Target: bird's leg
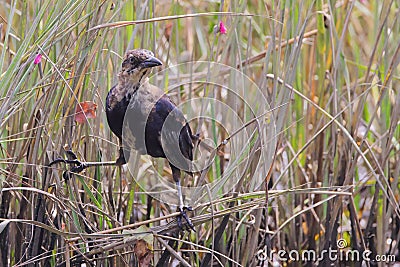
{"x": 182, "y": 209}
{"x": 176, "y": 174}
{"x": 121, "y": 159}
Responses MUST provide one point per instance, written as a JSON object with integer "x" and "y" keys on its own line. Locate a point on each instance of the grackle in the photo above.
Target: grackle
{"x": 146, "y": 120}
{"x": 155, "y": 126}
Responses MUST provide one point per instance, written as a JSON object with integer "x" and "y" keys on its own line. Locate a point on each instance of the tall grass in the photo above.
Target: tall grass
{"x": 322, "y": 79}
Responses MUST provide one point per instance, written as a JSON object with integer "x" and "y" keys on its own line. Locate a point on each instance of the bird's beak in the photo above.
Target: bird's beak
{"x": 151, "y": 62}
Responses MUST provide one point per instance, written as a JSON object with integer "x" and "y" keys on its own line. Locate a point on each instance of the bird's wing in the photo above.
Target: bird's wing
{"x": 114, "y": 108}
{"x": 176, "y": 135}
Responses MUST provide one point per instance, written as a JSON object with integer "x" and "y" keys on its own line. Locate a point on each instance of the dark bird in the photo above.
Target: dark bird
{"x": 145, "y": 119}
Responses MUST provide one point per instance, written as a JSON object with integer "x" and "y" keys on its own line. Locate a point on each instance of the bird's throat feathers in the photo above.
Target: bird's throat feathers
{"x": 130, "y": 83}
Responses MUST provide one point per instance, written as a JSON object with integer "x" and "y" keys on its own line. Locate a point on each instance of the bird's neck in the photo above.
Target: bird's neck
{"x": 130, "y": 85}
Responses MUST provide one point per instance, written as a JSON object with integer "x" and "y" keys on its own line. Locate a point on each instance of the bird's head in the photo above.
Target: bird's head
{"x": 137, "y": 64}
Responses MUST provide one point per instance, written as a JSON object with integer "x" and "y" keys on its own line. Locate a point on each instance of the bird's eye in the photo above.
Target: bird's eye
{"x": 132, "y": 60}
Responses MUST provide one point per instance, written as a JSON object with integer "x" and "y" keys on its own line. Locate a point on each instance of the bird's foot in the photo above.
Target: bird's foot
{"x": 183, "y": 215}
{"x": 76, "y": 165}
{"x": 121, "y": 160}
{"x": 196, "y": 136}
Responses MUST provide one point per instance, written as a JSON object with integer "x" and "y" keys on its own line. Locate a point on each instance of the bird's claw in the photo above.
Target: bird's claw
{"x": 80, "y": 166}
{"x": 189, "y": 224}
{"x": 76, "y": 165}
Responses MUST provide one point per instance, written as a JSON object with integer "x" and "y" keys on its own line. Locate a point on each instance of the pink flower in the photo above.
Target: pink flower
{"x": 222, "y": 28}
{"x": 38, "y": 58}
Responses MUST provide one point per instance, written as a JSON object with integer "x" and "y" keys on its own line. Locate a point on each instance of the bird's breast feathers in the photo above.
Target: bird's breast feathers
{"x": 145, "y": 98}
